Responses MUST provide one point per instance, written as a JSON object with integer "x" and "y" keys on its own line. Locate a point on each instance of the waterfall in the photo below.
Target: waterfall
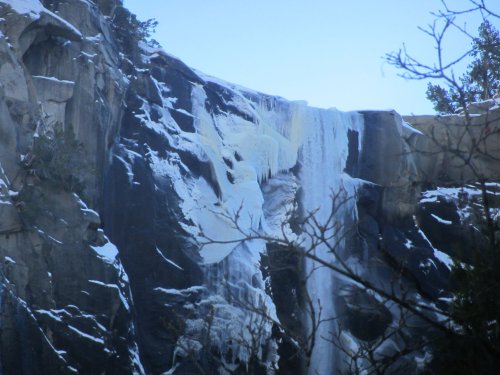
{"x": 323, "y": 159}
{"x": 248, "y": 153}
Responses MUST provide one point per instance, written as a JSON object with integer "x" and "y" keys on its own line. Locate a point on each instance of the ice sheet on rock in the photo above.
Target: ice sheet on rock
{"x": 227, "y": 325}
{"x": 97, "y": 38}
{"x": 264, "y": 149}
{"x": 145, "y": 117}
{"x": 5, "y": 193}
{"x": 280, "y": 194}
{"x": 228, "y": 329}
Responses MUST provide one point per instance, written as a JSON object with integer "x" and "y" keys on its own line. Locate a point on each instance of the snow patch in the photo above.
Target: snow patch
{"x": 108, "y": 252}
{"x": 442, "y": 221}
{"x": 9, "y": 260}
{"x": 168, "y": 260}
{"x": 442, "y": 257}
{"x": 94, "y": 339}
{"x": 54, "y": 79}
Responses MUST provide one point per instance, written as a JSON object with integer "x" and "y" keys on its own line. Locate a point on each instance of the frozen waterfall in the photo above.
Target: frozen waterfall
{"x": 249, "y": 153}
{"x": 323, "y": 159}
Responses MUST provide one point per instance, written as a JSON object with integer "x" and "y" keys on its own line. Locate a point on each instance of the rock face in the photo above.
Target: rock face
{"x": 364, "y": 316}
{"x": 65, "y": 297}
{"x": 128, "y": 180}
{"x": 457, "y": 149}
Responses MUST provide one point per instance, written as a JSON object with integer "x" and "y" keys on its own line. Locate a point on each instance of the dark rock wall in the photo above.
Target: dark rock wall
{"x": 141, "y": 216}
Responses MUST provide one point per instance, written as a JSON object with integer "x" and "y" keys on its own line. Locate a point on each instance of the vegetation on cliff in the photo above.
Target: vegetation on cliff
{"x": 480, "y": 81}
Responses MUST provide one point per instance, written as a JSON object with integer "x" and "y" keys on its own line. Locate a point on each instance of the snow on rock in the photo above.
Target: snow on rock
{"x": 467, "y": 198}
{"x": 35, "y": 10}
{"x": 169, "y": 261}
{"x": 458, "y": 210}
{"x": 54, "y": 79}
{"x": 96, "y": 340}
{"x": 443, "y": 257}
{"x": 440, "y": 220}
{"x": 107, "y": 252}
{"x": 25, "y": 6}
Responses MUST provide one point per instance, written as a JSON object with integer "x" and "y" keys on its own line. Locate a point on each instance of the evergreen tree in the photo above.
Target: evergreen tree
{"x": 474, "y": 348}
{"x": 130, "y": 31}
{"x": 481, "y": 79}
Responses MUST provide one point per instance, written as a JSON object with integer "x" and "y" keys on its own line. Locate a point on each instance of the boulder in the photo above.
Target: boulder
{"x": 362, "y": 314}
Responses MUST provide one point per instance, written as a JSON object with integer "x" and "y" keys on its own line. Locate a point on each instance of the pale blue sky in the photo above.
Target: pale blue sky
{"x": 327, "y": 52}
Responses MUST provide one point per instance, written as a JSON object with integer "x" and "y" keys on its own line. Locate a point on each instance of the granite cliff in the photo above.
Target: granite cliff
{"x": 117, "y": 161}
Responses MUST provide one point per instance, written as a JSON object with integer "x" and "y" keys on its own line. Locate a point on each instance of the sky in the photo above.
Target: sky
{"x": 327, "y": 52}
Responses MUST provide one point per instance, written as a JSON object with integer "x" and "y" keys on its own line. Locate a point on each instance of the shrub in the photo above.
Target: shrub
{"x": 61, "y": 160}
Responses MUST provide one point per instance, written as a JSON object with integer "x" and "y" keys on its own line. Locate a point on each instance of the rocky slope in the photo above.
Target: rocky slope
{"x": 118, "y": 161}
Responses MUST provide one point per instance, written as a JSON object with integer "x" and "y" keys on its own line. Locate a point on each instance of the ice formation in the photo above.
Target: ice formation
{"x": 326, "y": 190}
{"x": 248, "y": 188}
